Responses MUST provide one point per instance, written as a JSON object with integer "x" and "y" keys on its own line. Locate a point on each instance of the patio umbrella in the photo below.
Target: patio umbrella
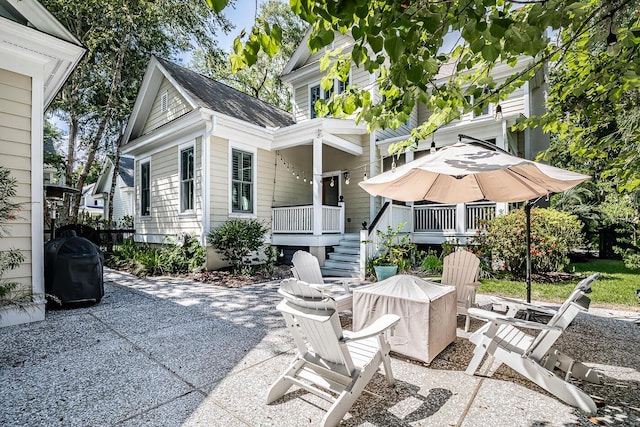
{"x": 466, "y": 173}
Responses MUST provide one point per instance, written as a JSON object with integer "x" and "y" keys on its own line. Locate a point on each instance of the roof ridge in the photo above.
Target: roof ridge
{"x": 163, "y": 60}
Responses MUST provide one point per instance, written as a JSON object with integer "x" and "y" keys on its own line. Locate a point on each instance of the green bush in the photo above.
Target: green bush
{"x": 9, "y": 258}
{"x": 431, "y": 263}
{"x": 168, "y": 258}
{"x": 393, "y": 249}
{"x": 553, "y": 235}
{"x": 182, "y": 257}
{"x": 237, "y": 240}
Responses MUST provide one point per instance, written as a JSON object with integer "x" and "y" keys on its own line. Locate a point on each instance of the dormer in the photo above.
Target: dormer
{"x": 302, "y": 73}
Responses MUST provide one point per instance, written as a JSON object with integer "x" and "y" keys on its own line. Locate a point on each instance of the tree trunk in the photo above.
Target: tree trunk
{"x": 95, "y": 143}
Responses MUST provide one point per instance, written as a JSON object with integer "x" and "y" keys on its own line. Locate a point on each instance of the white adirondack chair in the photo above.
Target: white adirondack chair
{"x": 331, "y": 363}
{"x": 461, "y": 269}
{"x": 534, "y": 357}
{"x": 307, "y": 269}
{"x": 513, "y": 306}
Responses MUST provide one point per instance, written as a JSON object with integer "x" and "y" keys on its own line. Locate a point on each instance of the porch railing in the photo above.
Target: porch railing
{"x": 478, "y": 212}
{"x": 300, "y": 219}
{"x": 434, "y": 218}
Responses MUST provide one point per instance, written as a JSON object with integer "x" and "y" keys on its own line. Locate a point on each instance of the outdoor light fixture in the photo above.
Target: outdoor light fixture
{"x": 332, "y": 183}
{"x": 432, "y": 149}
{"x": 611, "y": 38}
{"x": 347, "y": 178}
{"x": 498, "y": 115}
{"x": 393, "y": 165}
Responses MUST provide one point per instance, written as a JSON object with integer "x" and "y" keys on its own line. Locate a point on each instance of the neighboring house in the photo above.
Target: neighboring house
{"x": 123, "y": 200}
{"x": 50, "y": 174}
{"x": 90, "y": 205}
{"x": 205, "y": 153}
{"x": 37, "y": 54}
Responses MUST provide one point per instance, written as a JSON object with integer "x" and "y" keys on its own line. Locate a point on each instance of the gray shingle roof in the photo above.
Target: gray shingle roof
{"x": 126, "y": 170}
{"x": 224, "y": 99}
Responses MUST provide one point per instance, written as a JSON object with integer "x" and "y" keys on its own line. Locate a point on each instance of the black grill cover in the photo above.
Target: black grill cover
{"x": 73, "y": 269}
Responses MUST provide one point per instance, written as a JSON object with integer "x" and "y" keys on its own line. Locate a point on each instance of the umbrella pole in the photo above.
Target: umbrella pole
{"x": 527, "y": 213}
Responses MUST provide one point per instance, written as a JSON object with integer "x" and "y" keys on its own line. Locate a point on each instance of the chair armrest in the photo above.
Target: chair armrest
{"x": 521, "y": 305}
{"x": 376, "y": 328}
{"x": 502, "y": 319}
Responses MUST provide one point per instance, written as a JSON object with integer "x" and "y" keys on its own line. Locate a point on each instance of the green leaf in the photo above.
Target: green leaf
{"x": 375, "y": 42}
{"x": 415, "y": 73}
{"x": 394, "y": 46}
{"x": 490, "y": 52}
{"x": 217, "y": 5}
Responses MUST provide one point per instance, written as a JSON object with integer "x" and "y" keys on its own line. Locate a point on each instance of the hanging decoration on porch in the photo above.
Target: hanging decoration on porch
{"x": 291, "y": 168}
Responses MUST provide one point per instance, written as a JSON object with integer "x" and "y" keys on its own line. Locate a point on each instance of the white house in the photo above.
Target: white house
{"x": 123, "y": 200}
{"x": 205, "y": 153}
{"x": 37, "y": 54}
{"x": 89, "y": 204}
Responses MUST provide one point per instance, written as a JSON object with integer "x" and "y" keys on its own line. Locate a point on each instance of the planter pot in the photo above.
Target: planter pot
{"x": 385, "y": 271}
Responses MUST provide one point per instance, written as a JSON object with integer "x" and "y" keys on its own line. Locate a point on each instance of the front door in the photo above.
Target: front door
{"x": 330, "y": 192}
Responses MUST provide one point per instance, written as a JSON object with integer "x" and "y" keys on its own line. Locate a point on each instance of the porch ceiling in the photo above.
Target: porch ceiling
{"x": 326, "y": 129}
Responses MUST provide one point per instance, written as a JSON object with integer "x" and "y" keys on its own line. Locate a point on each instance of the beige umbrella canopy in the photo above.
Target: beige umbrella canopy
{"x": 467, "y": 173}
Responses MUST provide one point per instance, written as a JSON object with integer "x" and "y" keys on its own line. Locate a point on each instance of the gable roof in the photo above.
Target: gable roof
{"x": 224, "y": 99}
{"x": 27, "y": 26}
{"x": 125, "y": 170}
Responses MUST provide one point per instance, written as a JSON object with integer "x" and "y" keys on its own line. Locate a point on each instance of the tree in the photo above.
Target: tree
{"x": 403, "y": 44}
{"x": 598, "y": 124}
{"x": 263, "y": 79}
{"x": 120, "y": 36}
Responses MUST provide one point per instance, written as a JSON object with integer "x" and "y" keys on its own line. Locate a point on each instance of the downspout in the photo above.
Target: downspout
{"x": 210, "y": 125}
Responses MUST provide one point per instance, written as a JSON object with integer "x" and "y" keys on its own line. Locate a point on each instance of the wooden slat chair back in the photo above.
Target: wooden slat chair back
{"x": 503, "y": 341}
{"x": 331, "y": 363}
{"x": 307, "y": 267}
{"x": 461, "y": 269}
{"x": 513, "y": 306}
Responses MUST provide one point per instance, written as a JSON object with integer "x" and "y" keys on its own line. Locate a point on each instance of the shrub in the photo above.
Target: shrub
{"x": 172, "y": 258}
{"x": 553, "y": 235}
{"x": 236, "y": 240}
{"x": 10, "y": 258}
{"x": 394, "y": 249}
{"x": 431, "y": 263}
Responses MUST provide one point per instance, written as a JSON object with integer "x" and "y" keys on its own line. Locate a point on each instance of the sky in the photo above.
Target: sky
{"x": 242, "y": 16}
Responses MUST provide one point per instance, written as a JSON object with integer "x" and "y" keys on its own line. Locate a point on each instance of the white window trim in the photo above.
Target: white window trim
{"x": 322, "y": 91}
{"x": 254, "y": 176}
{"x": 164, "y": 102}
{"x": 181, "y": 148}
{"x": 490, "y": 109}
{"x": 141, "y": 216}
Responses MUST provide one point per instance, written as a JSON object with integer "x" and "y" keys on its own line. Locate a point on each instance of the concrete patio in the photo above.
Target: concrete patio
{"x": 171, "y": 352}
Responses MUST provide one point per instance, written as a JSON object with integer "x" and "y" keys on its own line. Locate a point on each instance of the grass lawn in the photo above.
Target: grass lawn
{"x": 615, "y": 288}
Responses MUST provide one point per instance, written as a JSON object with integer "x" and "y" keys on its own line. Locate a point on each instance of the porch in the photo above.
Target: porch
{"x": 428, "y": 223}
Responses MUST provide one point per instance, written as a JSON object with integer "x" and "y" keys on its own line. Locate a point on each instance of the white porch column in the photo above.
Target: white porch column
{"x": 317, "y": 185}
{"x": 461, "y": 218}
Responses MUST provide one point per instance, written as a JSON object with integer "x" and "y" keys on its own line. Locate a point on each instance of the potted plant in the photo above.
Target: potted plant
{"x": 394, "y": 252}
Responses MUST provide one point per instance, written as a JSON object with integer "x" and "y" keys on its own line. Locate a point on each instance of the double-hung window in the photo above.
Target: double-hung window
{"x": 316, "y": 93}
{"x": 241, "y": 181}
{"x": 145, "y": 189}
{"x": 187, "y": 179}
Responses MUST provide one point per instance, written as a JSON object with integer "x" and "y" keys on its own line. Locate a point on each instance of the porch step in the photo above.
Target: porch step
{"x": 350, "y": 243}
{"x": 353, "y": 257}
{"x": 339, "y": 269}
{"x": 345, "y": 250}
{"x": 344, "y": 261}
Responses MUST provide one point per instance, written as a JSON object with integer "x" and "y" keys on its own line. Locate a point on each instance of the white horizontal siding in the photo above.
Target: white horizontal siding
{"x": 176, "y": 106}
{"x": 15, "y": 150}
{"x": 165, "y": 218}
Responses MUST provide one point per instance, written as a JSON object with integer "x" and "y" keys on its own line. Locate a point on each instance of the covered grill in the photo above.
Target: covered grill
{"x": 73, "y": 269}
